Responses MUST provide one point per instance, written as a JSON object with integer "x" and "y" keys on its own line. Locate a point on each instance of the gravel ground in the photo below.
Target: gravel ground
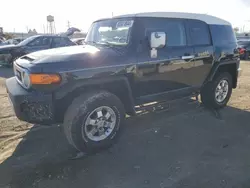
{"x": 184, "y": 145}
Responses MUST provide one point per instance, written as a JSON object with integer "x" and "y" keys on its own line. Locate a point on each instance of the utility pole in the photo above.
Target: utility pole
{"x": 44, "y": 29}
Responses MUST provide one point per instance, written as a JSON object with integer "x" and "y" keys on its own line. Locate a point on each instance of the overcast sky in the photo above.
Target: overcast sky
{"x": 19, "y": 14}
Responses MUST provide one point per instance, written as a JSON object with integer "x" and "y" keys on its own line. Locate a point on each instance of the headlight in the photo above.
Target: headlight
{"x": 26, "y": 79}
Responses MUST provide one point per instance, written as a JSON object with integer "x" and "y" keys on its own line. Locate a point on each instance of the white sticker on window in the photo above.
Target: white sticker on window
{"x": 122, "y": 24}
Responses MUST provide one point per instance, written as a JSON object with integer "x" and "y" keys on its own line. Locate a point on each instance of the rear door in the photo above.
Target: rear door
{"x": 61, "y": 42}
{"x": 171, "y": 69}
{"x": 199, "y": 38}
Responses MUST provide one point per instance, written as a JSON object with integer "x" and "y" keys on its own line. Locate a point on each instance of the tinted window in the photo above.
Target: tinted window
{"x": 174, "y": 29}
{"x": 222, "y": 34}
{"x": 199, "y": 33}
{"x": 60, "y": 42}
{"x": 40, "y": 41}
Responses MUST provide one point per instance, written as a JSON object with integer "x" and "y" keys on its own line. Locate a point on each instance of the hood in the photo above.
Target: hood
{"x": 63, "y": 52}
{"x": 68, "y": 58}
{"x": 8, "y": 46}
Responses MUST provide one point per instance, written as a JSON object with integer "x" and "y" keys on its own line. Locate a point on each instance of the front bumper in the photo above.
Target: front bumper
{"x": 30, "y": 106}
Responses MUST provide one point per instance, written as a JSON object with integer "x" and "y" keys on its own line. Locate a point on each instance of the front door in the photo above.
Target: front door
{"x": 171, "y": 69}
{"x": 39, "y": 43}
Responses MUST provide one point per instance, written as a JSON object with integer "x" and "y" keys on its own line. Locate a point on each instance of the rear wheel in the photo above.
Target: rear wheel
{"x": 217, "y": 93}
{"x": 92, "y": 122}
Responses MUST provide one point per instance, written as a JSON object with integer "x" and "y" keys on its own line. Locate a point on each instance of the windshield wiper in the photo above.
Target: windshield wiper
{"x": 107, "y": 44}
{"x": 112, "y": 46}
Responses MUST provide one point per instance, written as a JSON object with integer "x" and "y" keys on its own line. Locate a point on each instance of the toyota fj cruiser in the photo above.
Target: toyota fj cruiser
{"x": 127, "y": 61}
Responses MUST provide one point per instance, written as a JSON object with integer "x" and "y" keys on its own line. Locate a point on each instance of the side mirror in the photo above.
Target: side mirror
{"x": 158, "y": 39}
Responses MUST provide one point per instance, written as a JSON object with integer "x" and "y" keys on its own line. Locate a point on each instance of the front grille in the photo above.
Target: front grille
{"x": 37, "y": 111}
{"x": 19, "y": 73}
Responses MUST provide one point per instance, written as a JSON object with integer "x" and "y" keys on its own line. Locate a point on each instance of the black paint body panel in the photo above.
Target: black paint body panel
{"x": 176, "y": 72}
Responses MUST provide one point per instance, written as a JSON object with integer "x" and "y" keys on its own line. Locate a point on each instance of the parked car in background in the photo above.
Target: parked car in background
{"x": 239, "y": 38}
{"x": 127, "y": 61}
{"x": 78, "y": 41}
{"x": 1, "y": 41}
{"x": 244, "y": 49}
{"x": 12, "y": 41}
{"x": 35, "y": 43}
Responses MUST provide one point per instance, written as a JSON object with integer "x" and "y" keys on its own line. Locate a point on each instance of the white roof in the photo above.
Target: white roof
{"x": 203, "y": 17}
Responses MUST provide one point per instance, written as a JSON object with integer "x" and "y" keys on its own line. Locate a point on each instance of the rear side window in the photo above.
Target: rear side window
{"x": 222, "y": 34}
{"x": 199, "y": 33}
{"x": 61, "y": 41}
{"x": 174, "y": 29}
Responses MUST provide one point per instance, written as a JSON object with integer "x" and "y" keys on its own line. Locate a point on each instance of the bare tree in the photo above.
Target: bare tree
{"x": 236, "y": 29}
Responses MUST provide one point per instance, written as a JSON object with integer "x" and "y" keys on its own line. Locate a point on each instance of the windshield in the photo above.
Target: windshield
{"x": 113, "y": 31}
{"x": 26, "y": 41}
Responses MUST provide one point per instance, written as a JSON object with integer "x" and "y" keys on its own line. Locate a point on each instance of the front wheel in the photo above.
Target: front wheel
{"x": 217, "y": 93}
{"x": 93, "y": 121}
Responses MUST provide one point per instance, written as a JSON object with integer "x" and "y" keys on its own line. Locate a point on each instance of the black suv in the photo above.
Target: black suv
{"x": 8, "y": 53}
{"x": 127, "y": 61}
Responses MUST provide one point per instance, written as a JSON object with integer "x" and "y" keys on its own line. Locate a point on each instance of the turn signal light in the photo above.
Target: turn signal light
{"x": 44, "y": 78}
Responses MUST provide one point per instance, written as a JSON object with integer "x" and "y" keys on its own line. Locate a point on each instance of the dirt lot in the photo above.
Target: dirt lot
{"x": 184, "y": 145}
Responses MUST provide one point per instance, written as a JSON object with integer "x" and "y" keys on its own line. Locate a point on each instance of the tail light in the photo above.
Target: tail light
{"x": 242, "y": 50}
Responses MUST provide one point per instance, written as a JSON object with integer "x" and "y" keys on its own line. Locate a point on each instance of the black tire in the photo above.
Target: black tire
{"x": 80, "y": 109}
{"x": 246, "y": 55}
{"x": 208, "y": 91}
